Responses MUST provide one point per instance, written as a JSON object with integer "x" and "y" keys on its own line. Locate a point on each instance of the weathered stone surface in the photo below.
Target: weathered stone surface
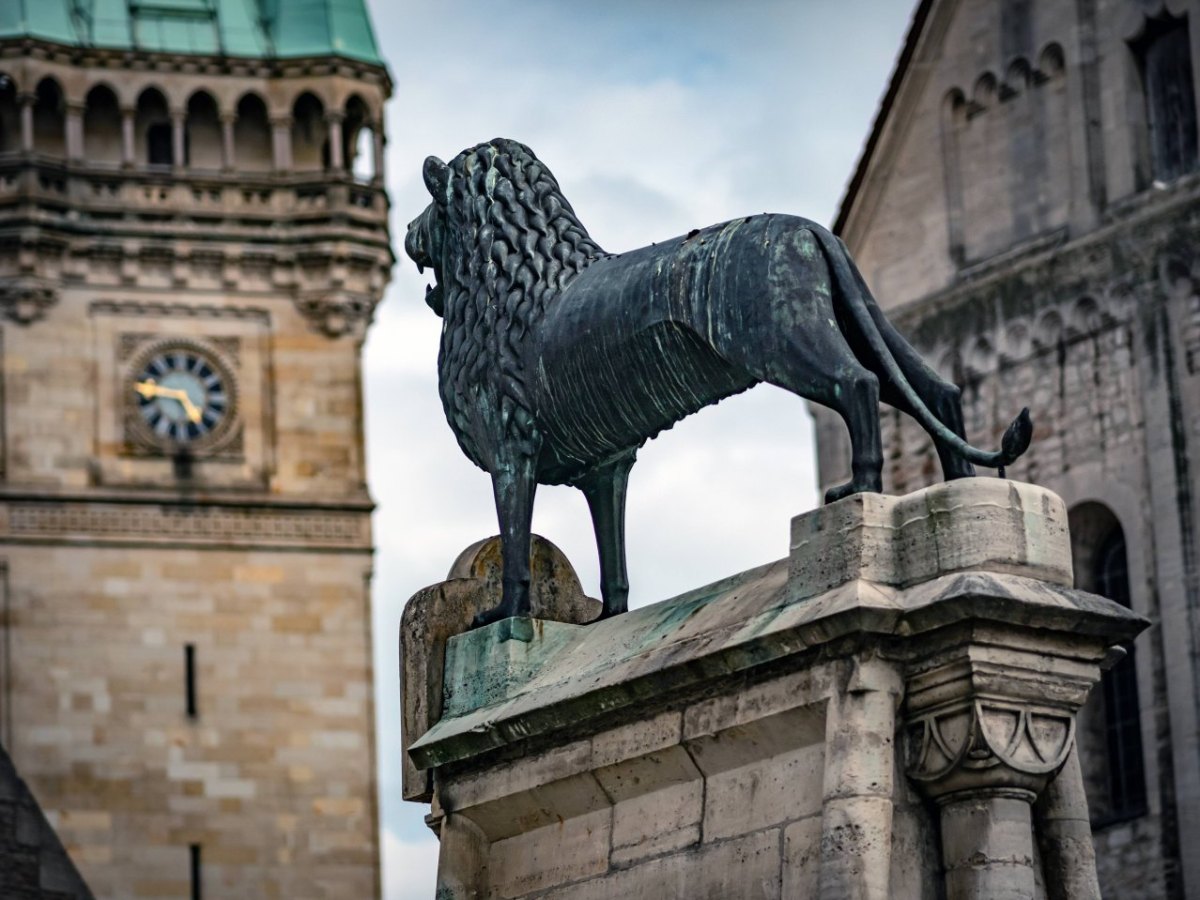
{"x": 747, "y": 868}
{"x": 443, "y": 610}
{"x": 974, "y": 524}
{"x": 740, "y": 740}
{"x": 484, "y": 666}
{"x": 746, "y": 621}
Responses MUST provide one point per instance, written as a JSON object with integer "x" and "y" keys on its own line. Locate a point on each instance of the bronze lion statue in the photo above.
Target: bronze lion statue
{"x": 559, "y": 360}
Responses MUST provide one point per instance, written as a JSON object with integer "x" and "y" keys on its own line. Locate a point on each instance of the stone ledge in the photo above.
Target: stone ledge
{"x": 624, "y": 661}
{"x": 972, "y": 551}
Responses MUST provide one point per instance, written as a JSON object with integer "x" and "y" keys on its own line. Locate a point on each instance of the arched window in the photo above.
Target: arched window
{"x": 10, "y": 116}
{"x": 203, "y": 135}
{"x": 358, "y": 140}
{"x": 49, "y": 135}
{"x": 252, "y": 136}
{"x": 310, "y": 144}
{"x": 362, "y": 161}
{"x": 152, "y": 129}
{"x": 1165, "y": 59}
{"x": 101, "y": 127}
{"x": 1110, "y": 722}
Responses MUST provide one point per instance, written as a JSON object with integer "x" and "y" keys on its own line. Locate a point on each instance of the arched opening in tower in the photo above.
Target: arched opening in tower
{"x": 358, "y": 140}
{"x": 310, "y": 137}
{"x": 102, "y": 127}
{"x": 203, "y": 140}
{"x": 10, "y": 116}
{"x": 49, "y": 130}
{"x": 152, "y": 129}
{"x": 252, "y": 136}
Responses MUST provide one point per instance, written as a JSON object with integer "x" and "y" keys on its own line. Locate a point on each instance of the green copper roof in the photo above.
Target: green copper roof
{"x": 257, "y": 28}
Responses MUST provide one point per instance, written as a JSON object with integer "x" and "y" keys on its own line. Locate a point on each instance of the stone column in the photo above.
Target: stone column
{"x": 228, "y": 161}
{"x": 462, "y": 857}
{"x": 1064, "y": 831}
{"x": 856, "y": 813}
{"x": 333, "y": 124}
{"x": 27, "y": 103}
{"x": 73, "y": 136}
{"x": 281, "y": 142}
{"x": 178, "y": 138}
{"x": 379, "y": 148}
{"x": 128, "y": 152}
{"x": 984, "y": 758}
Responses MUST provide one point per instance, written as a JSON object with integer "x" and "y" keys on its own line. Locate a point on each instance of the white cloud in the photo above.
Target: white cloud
{"x": 409, "y": 868}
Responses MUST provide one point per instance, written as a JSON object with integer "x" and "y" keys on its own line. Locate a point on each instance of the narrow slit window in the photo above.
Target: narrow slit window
{"x": 194, "y": 854}
{"x": 189, "y": 668}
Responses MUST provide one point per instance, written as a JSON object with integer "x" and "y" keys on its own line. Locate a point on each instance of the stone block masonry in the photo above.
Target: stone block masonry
{"x": 889, "y": 713}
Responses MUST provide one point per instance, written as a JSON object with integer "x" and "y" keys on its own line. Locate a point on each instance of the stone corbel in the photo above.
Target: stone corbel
{"x": 26, "y": 300}
{"x": 337, "y": 312}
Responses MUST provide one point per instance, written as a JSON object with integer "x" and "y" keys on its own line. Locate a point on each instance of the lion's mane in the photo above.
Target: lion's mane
{"x": 514, "y": 242}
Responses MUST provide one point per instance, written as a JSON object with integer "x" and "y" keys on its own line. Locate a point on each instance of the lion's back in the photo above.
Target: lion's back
{"x": 637, "y": 342}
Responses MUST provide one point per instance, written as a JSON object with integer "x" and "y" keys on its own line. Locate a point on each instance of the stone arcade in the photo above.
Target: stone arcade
{"x": 891, "y": 705}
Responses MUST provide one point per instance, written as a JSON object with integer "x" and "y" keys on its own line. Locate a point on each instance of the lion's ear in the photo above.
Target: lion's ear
{"x": 436, "y": 173}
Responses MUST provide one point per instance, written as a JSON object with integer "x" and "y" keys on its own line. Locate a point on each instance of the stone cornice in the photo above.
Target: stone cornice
{"x": 160, "y": 522}
{"x": 1047, "y": 255}
{"x": 287, "y": 67}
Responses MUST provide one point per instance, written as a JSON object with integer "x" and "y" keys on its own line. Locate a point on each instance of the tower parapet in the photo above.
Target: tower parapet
{"x": 112, "y": 148}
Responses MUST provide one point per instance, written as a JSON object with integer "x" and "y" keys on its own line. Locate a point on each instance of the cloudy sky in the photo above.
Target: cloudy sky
{"x": 656, "y": 116}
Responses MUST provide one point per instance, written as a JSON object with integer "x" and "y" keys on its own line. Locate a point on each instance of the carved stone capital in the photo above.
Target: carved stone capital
{"x": 987, "y": 745}
{"x": 25, "y": 300}
{"x": 337, "y": 312}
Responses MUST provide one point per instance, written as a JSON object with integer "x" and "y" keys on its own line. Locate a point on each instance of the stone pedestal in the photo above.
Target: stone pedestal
{"x": 888, "y": 713}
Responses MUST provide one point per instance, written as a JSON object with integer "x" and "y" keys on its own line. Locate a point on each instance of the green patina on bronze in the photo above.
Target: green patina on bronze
{"x": 266, "y": 29}
{"x": 559, "y": 360}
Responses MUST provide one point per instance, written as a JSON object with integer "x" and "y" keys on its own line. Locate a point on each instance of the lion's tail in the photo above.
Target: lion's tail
{"x": 851, "y": 287}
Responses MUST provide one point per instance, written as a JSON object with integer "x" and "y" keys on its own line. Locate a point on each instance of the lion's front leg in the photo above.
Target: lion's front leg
{"x": 514, "y": 484}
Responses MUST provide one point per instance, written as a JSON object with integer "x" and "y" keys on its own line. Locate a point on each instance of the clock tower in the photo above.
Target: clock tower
{"x": 193, "y": 236}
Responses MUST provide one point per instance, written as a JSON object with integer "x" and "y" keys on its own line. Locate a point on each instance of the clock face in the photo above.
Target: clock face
{"x": 182, "y": 395}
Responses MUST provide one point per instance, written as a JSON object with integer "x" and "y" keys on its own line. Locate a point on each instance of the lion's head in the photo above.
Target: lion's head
{"x": 497, "y": 224}
{"x": 502, "y": 241}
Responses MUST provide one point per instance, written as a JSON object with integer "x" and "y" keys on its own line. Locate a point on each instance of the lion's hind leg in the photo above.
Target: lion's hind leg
{"x": 819, "y": 365}
{"x": 605, "y": 489}
{"x": 853, "y": 393}
{"x": 943, "y": 398}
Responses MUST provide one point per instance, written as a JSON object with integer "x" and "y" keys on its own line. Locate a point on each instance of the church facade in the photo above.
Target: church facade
{"x": 1027, "y": 210}
{"x": 193, "y": 236}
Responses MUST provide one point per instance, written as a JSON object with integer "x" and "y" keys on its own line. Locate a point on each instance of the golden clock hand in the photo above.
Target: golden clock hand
{"x": 148, "y": 389}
